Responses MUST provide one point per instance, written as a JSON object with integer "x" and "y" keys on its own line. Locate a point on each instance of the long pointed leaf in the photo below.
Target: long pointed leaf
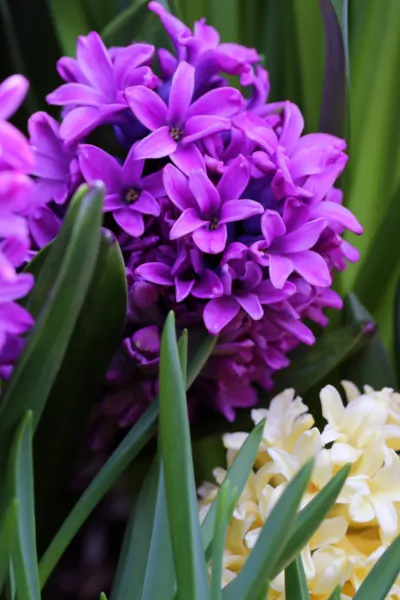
{"x": 295, "y": 581}
{"x": 174, "y": 436}
{"x": 270, "y": 544}
{"x": 21, "y": 487}
{"x": 70, "y": 20}
{"x": 381, "y": 578}
{"x": 8, "y": 534}
{"x": 225, "y": 507}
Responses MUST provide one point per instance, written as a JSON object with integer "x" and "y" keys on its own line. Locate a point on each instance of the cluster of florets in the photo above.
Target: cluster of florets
{"x": 224, "y": 211}
{"x": 365, "y": 432}
{"x": 16, "y": 162}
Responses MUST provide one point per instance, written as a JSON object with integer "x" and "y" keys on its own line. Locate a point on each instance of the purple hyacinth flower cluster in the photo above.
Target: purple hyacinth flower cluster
{"x": 16, "y": 162}
{"x": 225, "y": 211}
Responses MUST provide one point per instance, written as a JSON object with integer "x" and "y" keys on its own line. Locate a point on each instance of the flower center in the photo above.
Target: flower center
{"x": 213, "y": 224}
{"x": 131, "y": 195}
{"x": 176, "y": 133}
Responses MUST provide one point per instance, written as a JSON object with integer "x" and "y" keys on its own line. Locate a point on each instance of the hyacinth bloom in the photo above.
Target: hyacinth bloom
{"x": 16, "y": 160}
{"x": 129, "y": 195}
{"x": 225, "y": 211}
{"x": 364, "y": 520}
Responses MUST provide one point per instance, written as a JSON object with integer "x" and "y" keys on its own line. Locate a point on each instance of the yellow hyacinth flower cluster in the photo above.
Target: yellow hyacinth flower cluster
{"x": 364, "y": 431}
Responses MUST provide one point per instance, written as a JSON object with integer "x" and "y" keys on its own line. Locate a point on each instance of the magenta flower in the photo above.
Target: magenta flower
{"x": 129, "y": 195}
{"x": 206, "y": 209}
{"x": 177, "y": 125}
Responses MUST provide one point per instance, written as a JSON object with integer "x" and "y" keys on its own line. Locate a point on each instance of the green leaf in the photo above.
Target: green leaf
{"x": 103, "y": 596}
{"x": 336, "y": 594}
{"x": 183, "y": 354}
{"x": 226, "y": 502}
{"x": 70, "y": 20}
{"x": 47, "y": 342}
{"x": 237, "y": 475}
{"x": 8, "y": 534}
{"x": 121, "y": 458}
{"x": 147, "y": 545}
{"x": 381, "y": 578}
{"x": 121, "y": 21}
{"x": 78, "y": 383}
{"x": 295, "y": 581}
{"x": 174, "y": 440}
{"x": 21, "y": 488}
{"x": 333, "y": 109}
{"x": 380, "y": 257}
{"x": 310, "y": 518}
{"x": 370, "y": 364}
{"x": 202, "y": 347}
{"x": 271, "y": 541}
{"x": 218, "y": 11}
{"x": 100, "y": 13}
{"x": 310, "y": 365}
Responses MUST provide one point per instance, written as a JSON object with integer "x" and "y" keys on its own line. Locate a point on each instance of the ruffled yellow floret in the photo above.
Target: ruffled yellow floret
{"x": 363, "y": 431}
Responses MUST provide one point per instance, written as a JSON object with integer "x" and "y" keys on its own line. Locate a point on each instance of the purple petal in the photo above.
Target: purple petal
{"x": 250, "y": 304}
{"x": 181, "y": 93}
{"x": 112, "y": 202}
{"x": 219, "y": 312}
{"x": 257, "y": 130}
{"x": 183, "y": 287}
{"x": 205, "y": 193}
{"x": 270, "y": 295}
{"x": 272, "y": 226}
{"x": 280, "y": 268}
{"x": 77, "y": 94}
{"x": 293, "y": 125}
{"x": 312, "y": 267}
{"x": 44, "y": 133}
{"x": 238, "y": 210}
{"x": 95, "y": 63}
{"x": 211, "y": 242}
{"x": 14, "y": 148}
{"x": 69, "y": 70}
{"x": 156, "y": 145}
{"x": 16, "y": 289}
{"x": 147, "y": 204}
{"x": 79, "y": 122}
{"x": 12, "y": 92}
{"x": 155, "y": 272}
{"x": 188, "y": 222}
{"x": 337, "y": 212}
{"x": 222, "y": 102}
{"x": 15, "y": 191}
{"x": 147, "y": 106}
{"x": 12, "y": 225}
{"x": 97, "y": 165}
{"x": 208, "y": 286}
{"x": 303, "y": 238}
{"x": 177, "y": 188}
{"x": 44, "y": 225}
{"x": 132, "y": 169}
{"x": 188, "y": 158}
{"x": 235, "y": 179}
{"x": 14, "y": 318}
{"x": 199, "y": 127}
{"x": 130, "y": 221}
{"x": 154, "y": 184}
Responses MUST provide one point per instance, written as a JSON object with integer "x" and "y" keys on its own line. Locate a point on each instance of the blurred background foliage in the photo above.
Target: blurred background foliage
{"x": 289, "y": 36}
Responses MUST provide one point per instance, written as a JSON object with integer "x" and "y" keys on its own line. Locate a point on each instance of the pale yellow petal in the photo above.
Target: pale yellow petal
{"x": 330, "y": 532}
{"x": 344, "y": 453}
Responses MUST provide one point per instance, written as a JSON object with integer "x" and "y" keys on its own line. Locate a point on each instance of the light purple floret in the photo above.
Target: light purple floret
{"x": 16, "y": 187}
{"x": 226, "y": 212}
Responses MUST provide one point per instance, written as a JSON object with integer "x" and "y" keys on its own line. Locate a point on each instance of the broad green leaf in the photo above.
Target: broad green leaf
{"x": 70, "y": 20}
{"x": 310, "y": 518}
{"x": 183, "y": 354}
{"x": 310, "y": 365}
{"x": 271, "y": 541}
{"x": 8, "y": 534}
{"x": 336, "y": 594}
{"x": 78, "y": 383}
{"x": 121, "y": 21}
{"x": 174, "y": 440}
{"x": 309, "y": 46}
{"x": 21, "y": 488}
{"x": 295, "y": 581}
{"x": 100, "y": 13}
{"x": 131, "y": 445}
{"x": 381, "y": 578}
{"x": 103, "y": 596}
{"x": 381, "y": 257}
{"x": 218, "y": 11}
{"x": 237, "y": 475}
{"x": 47, "y": 342}
{"x": 121, "y": 458}
{"x": 333, "y": 109}
{"x": 370, "y": 364}
{"x": 225, "y": 506}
